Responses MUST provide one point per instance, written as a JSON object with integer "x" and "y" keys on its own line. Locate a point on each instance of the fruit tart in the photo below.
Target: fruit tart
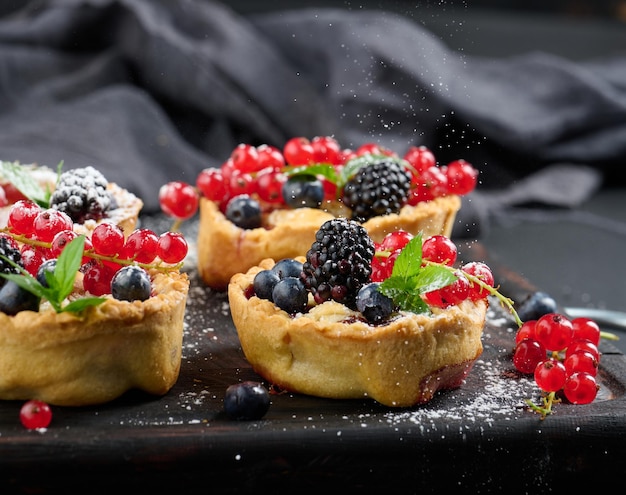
{"x": 267, "y": 203}
{"x": 85, "y": 318}
{"x": 82, "y": 193}
{"x": 393, "y": 321}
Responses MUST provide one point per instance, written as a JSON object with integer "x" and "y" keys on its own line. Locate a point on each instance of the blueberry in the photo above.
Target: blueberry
{"x": 45, "y": 267}
{"x": 290, "y": 295}
{"x": 247, "y": 400}
{"x": 536, "y": 305}
{"x": 14, "y": 299}
{"x": 288, "y": 267}
{"x": 131, "y": 283}
{"x": 302, "y": 191}
{"x": 373, "y": 304}
{"x": 244, "y": 212}
{"x": 264, "y": 283}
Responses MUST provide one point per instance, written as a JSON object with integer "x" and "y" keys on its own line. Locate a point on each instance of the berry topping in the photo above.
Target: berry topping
{"x": 10, "y": 250}
{"x": 264, "y": 283}
{"x": 378, "y": 188}
{"x": 288, "y": 267}
{"x": 303, "y": 191}
{"x": 339, "y": 262}
{"x": 82, "y": 194}
{"x": 14, "y": 298}
{"x": 536, "y": 305}
{"x": 244, "y": 212}
{"x": 246, "y": 401}
{"x": 131, "y": 283}
{"x": 290, "y": 295}
{"x": 373, "y": 304}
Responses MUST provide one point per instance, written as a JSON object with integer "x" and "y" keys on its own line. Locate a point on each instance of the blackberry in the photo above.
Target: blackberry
{"x": 9, "y": 250}
{"x": 379, "y": 187}
{"x": 82, "y": 194}
{"x": 339, "y": 262}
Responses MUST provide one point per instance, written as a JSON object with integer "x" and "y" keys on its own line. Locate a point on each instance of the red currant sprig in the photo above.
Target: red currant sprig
{"x": 562, "y": 356}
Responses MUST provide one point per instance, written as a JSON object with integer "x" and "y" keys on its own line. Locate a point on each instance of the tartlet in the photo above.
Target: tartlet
{"x": 330, "y": 352}
{"x": 94, "y": 357}
{"x": 86, "y": 354}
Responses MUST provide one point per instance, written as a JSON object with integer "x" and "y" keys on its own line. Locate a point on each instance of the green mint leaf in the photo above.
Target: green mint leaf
{"x": 67, "y": 266}
{"x": 77, "y": 305}
{"x": 407, "y": 300}
{"x": 60, "y": 280}
{"x": 409, "y": 279}
{"x": 18, "y": 175}
{"x": 324, "y": 169}
{"x": 433, "y": 277}
{"x": 409, "y": 262}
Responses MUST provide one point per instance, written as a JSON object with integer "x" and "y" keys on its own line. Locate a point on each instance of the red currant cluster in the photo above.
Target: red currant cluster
{"x": 41, "y": 234}
{"x": 441, "y": 250}
{"x": 562, "y": 355}
{"x": 259, "y": 171}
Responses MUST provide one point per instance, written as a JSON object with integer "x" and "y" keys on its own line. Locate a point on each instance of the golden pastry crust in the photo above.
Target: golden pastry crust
{"x": 332, "y": 355}
{"x": 225, "y": 249}
{"x": 75, "y": 360}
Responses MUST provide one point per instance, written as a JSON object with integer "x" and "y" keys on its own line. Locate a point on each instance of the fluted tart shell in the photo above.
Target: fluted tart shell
{"x": 330, "y": 352}
{"x": 83, "y": 359}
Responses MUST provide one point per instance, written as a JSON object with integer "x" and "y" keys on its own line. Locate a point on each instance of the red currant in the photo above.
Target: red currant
{"x": 140, "y": 246}
{"x": 299, "y": 151}
{"x": 586, "y": 329}
{"x": 245, "y": 158}
{"x": 483, "y": 273}
{"x": 462, "y": 177}
{"x": 550, "y": 375}
{"x": 270, "y": 157}
{"x": 440, "y": 249}
{"x": 35, "y": 414}
{"x": 270, "y": 185}
{"x": 580, "y": 388}
{"x": 212, "y": 184}
{"x": 420, "y": 157}
{"x": 451, "y": 294}
{"x": 326, "y": 150}
{"x": 554, "y": 331}
{"x": 107, "y": 239}
{"x": 22, "y": 216}
{"x": 526, "y": 331}
{"x": 50, "y": 222}
{"x": 582, "y": 345}
{"x": 178, "y": 200}
{"x": 97, "y": 279}
{"x": 527, "y": 355}
{"x": 395, "y": 240}
{"x": 172, "y": 247}
{"x": 581, "y": 361}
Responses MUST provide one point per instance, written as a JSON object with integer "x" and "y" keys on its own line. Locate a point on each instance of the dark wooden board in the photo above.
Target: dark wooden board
{"x": 478, "y": 437}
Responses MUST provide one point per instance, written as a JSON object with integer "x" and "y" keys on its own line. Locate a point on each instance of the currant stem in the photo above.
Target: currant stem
{"x": 505, "y": 301}
{"x": 160, "y": 266}
{"x": 547, "y": 400}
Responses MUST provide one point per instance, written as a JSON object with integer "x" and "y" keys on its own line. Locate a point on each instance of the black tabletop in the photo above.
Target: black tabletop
{"x": 479, "y": 437}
